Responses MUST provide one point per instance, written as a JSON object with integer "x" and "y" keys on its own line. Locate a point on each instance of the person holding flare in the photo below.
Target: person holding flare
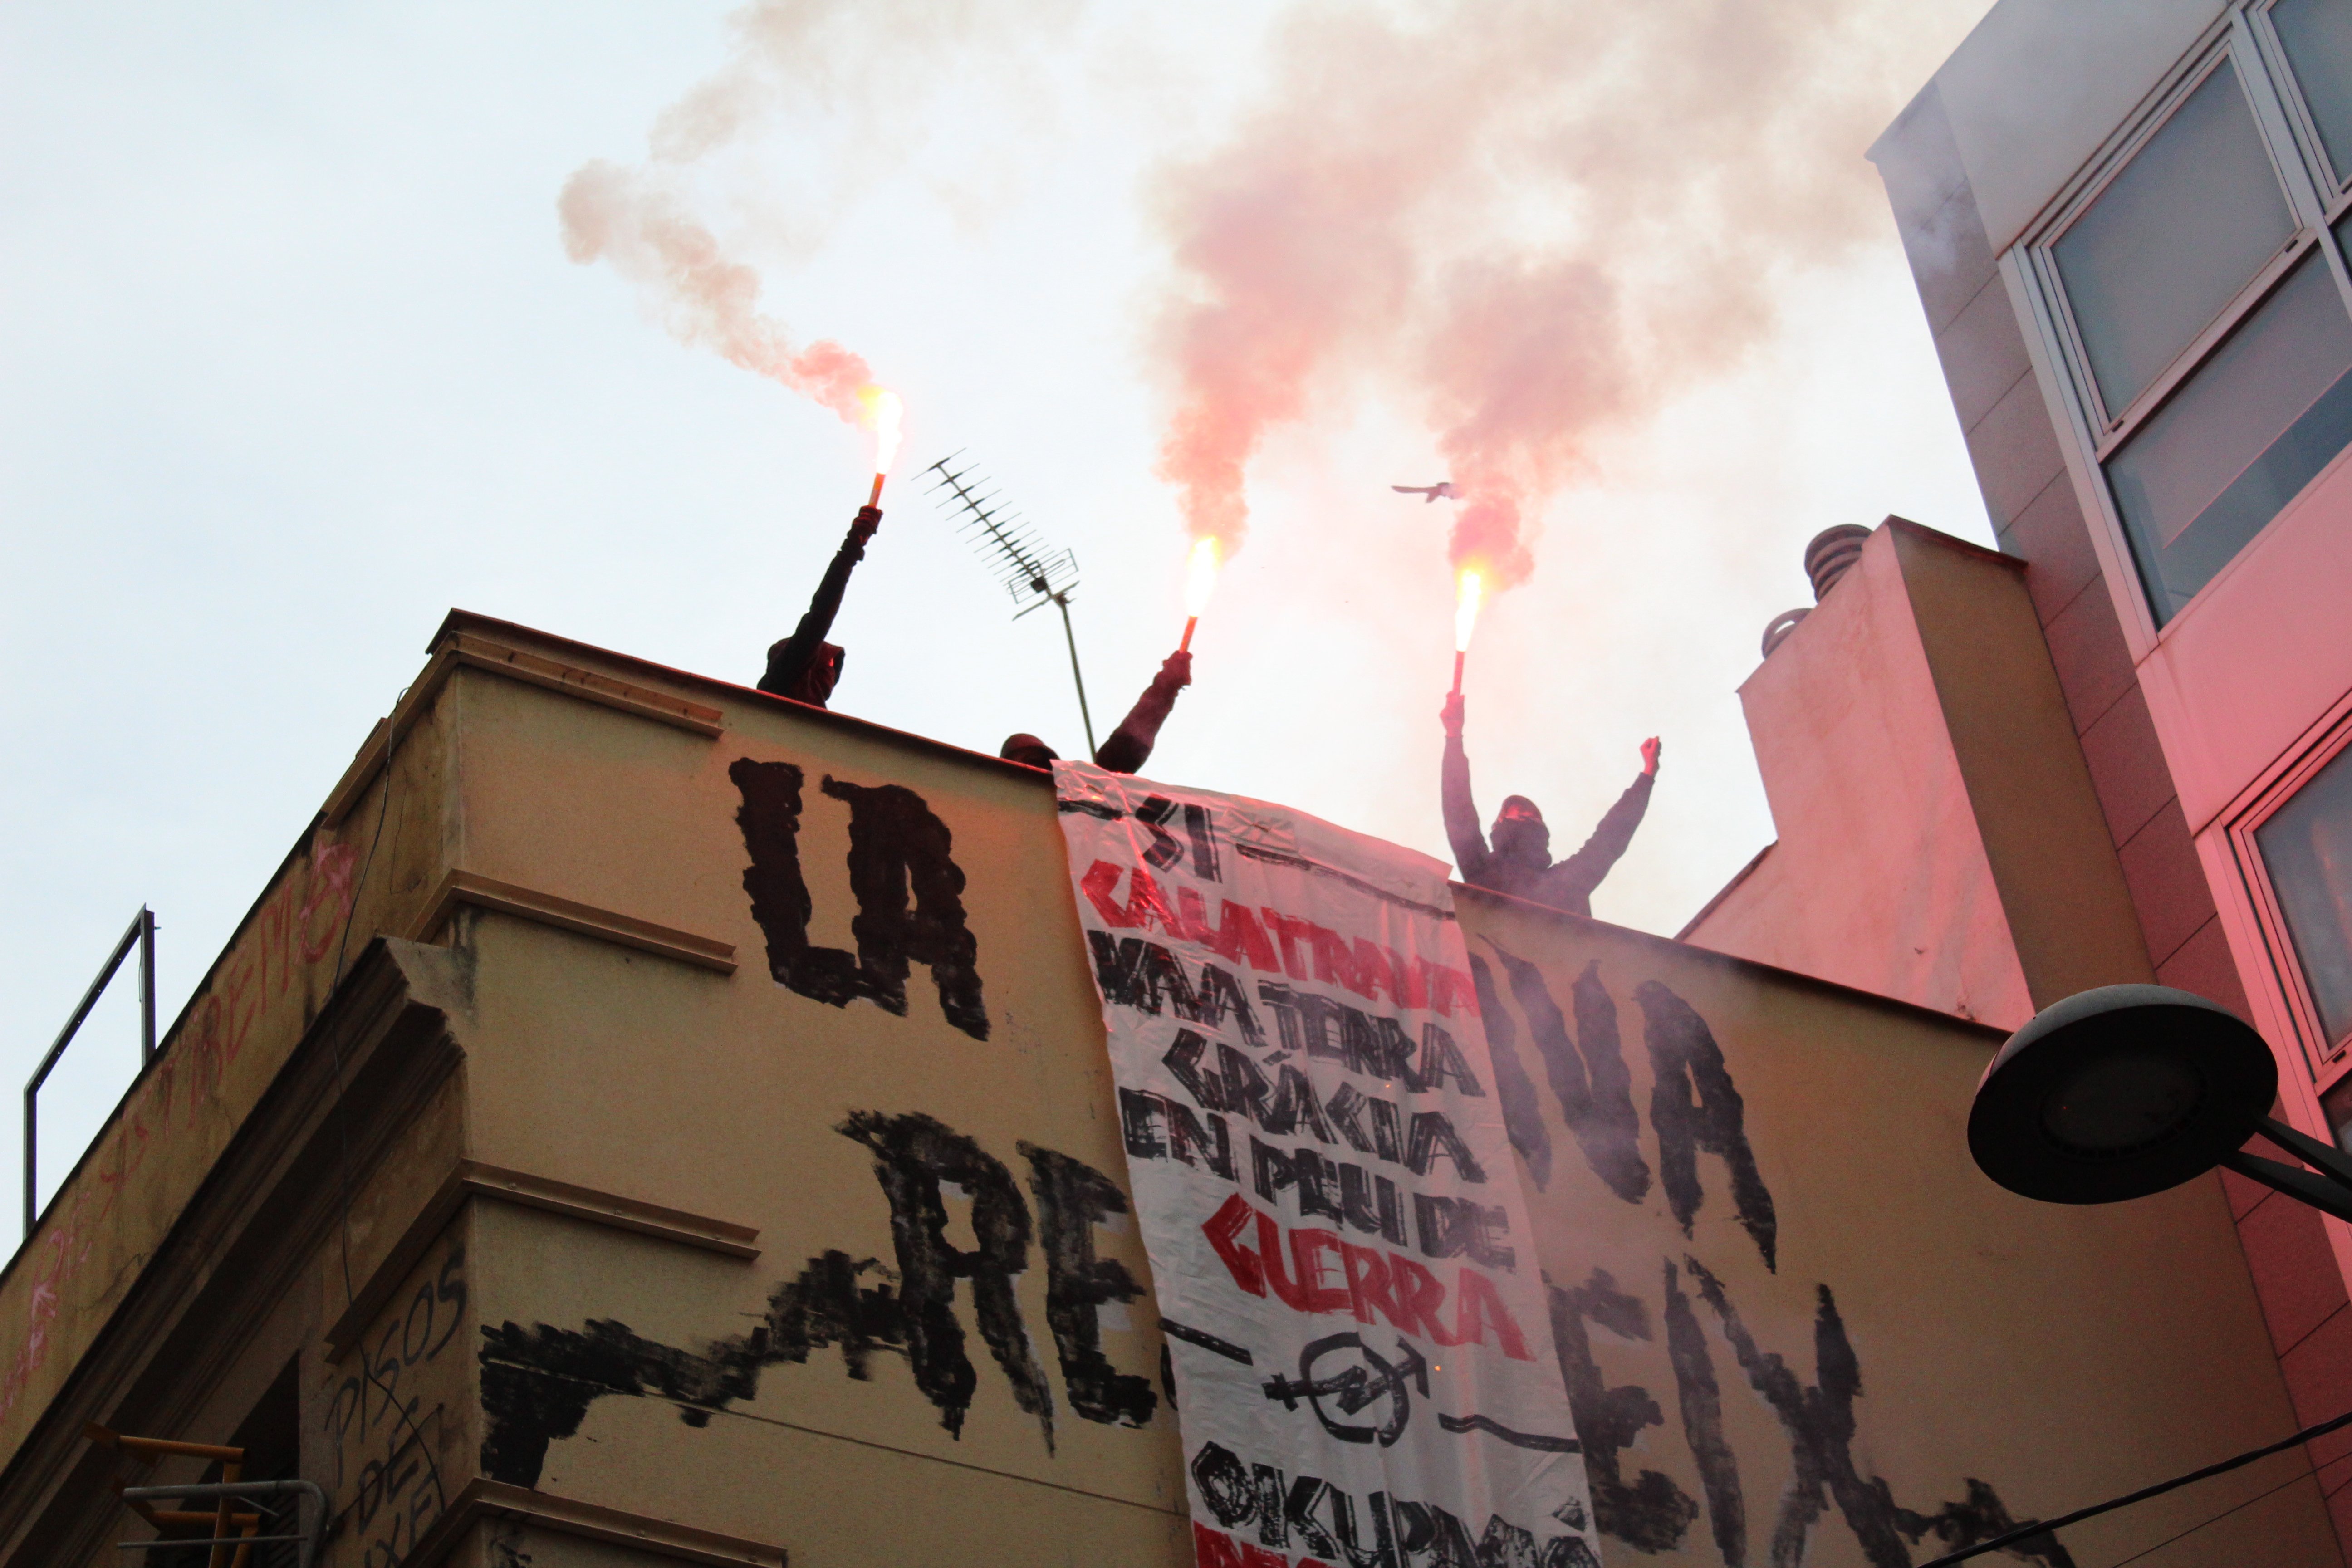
{"x": 1516, "y": 857}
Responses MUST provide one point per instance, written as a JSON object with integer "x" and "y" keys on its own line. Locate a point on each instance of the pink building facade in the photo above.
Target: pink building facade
{"x": 2128, "y": 221}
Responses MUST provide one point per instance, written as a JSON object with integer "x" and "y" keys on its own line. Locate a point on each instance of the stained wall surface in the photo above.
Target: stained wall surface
{"x": 766, "y": 1199}
{"x": 2038, "y": 85}
{"x": 1878, "y": 878}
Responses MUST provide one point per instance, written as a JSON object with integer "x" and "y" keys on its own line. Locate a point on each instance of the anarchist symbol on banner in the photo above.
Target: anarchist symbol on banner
{"x": 1355, "y": 1388}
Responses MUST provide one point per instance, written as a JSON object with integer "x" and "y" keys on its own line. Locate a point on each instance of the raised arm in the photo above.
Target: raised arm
{"x": 789, "y": 660}
{"x": 1583, "y": 870}
{"x": 1128, "y": 747}
{"x": 1462, "y": 828}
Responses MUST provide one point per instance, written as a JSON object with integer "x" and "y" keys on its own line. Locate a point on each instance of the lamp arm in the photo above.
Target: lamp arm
{"x": 2325, "y": 1158}
{"x": 2303, "y": 1186}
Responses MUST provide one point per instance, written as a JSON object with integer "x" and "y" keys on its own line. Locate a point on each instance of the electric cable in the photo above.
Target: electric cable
{"x": 2048, "y": 1526}
{"x": 2300, "y": 1474}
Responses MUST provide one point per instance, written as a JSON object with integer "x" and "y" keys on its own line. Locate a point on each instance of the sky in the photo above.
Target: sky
{"x": 293, "y": 360}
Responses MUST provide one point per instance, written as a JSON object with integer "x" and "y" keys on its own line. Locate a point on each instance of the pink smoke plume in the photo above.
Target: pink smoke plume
{"x": 633, "y": 221}
{"x": 1533, "y": 222}
{"x": 851, "y": 78}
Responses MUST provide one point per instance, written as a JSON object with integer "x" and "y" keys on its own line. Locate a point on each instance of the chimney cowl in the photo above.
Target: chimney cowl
{"x": 1832, "y": 555}
{"x": 1782, "y": 625}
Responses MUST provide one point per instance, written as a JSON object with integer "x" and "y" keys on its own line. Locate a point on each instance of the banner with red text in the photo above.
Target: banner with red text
{"x": 1363, "y": 1367}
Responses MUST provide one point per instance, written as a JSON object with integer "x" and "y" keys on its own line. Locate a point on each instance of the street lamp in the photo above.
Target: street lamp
{"x": 2129, "y": 1089}
{"x": 2124, "y": 1091}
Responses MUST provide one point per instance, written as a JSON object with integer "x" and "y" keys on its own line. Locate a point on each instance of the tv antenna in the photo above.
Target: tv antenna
{"x": 1033, "y": 572}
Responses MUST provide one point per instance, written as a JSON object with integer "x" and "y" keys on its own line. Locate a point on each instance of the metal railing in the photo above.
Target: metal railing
{"x": 142, "y": 933}
{"x": 305, "y": 1535}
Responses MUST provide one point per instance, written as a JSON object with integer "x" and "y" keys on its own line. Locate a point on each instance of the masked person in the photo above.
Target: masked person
{"x": 1519, "y": 862}
{"x": 1129, "y": 745}
{"x": 805, "y": 666}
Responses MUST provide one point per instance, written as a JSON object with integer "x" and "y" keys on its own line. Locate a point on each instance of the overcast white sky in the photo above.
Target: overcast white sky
{"x": 292, "y": 362}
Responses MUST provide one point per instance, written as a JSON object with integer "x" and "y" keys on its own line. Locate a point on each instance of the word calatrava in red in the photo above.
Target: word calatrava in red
{"x": 1307, "y": 950}
{"x": 1310, "y": 1270}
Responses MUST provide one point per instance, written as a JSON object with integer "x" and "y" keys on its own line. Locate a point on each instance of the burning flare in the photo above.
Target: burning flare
{"x": 1200, "y": 582}
{"x": 882, "y": 413}
{"x": 1469, "y": 592}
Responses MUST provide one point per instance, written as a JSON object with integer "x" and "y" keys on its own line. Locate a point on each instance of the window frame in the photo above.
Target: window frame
{"x": 2328, "y": 1061}
{"x": 2244, "y": 39}
{"x": 2305, "y": 129}
{"x": 2113, "y": 427}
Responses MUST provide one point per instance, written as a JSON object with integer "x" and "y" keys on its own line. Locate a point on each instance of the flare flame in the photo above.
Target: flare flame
{"x": 883, "y": 412}
{"x": 1469, "y": 593}
{"x": 1201, "y": 581}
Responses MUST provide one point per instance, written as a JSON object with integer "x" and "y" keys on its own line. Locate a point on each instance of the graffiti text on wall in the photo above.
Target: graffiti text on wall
{"x": 1694, "y": 1108}
{"x": 386, "y": 1488}
{"x": 910, "y": 894}
{"x": 538, "y": 1383}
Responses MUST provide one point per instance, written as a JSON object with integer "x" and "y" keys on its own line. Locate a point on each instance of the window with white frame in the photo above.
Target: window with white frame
{"x": 2306, "y": 854}
{"x": 2294, "y": 843}
{"x": 2198, "y": 290}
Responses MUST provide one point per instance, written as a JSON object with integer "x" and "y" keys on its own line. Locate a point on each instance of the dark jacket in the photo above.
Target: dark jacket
{"x": 1562, "y": 884}
{"x": 790, "y": 661}
{"x": 1128, "y": 747}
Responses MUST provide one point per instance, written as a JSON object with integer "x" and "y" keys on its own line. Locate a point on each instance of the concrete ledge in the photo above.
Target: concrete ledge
{"x": 607, "y": 925}
{"x": 472, "y": 1179}
{"x": 483, "y": 1500}
{"x": 459, "y": 651}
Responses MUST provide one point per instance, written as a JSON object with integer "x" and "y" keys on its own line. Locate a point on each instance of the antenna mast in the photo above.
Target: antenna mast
{"x": 1032, "y": 571}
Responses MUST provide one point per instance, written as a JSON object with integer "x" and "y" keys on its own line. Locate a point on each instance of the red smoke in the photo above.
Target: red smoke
{"x": 631, "y": 220}
{"x": 848, "y": 79}
{"x": 1530, "y": 221}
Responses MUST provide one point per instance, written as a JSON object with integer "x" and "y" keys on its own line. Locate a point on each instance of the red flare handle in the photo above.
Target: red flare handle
{"x": 1457, "y": 672}
{"x": 1186, "y": 645}
{"x": 874, "y": 498}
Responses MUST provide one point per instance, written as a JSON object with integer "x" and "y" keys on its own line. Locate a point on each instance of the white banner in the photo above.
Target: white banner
{"x": 1364, "y": 1370}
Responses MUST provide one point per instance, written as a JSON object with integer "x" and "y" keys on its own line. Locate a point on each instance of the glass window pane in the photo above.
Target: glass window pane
{"x": 2337, "y": 1105}
{"x": 2318, "y": 38}
{"x": 2242, "y": 436}
{"x": 2172, "y": 240}
{"x": 2306, "y": 848}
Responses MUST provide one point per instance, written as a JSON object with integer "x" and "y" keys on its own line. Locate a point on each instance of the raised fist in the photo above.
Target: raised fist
{"x": 1451, "y": 715}
{"x": 1650, "y": 755}
{"x": 1176, "y": 670}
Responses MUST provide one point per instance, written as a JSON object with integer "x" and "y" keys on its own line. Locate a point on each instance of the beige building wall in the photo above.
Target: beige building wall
{"x": 627, "y": 1204}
